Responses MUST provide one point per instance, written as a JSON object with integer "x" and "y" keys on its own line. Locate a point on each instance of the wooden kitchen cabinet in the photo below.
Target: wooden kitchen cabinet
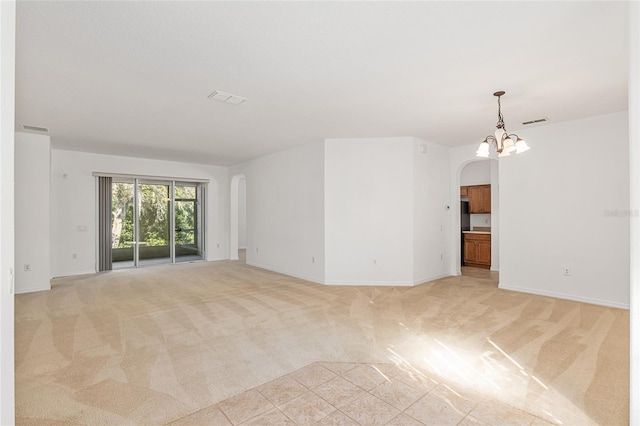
{"x": 479, "y": 198}
{"x": 477, "y": 250}
{"x": 464, "y": 191}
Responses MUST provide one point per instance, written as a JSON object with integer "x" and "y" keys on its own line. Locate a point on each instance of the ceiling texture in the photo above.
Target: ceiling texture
{"x": 133, "y": 78}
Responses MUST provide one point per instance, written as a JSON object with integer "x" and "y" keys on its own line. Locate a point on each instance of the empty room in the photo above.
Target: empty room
{"x": 331, "y": 213}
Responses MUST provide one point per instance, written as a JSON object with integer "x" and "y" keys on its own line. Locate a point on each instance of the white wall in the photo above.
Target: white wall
{"x": 476, "y": 173}
{"x": 350, "y": 211}
{"x": 73, "y": 204}
{"x": 554, "y": 201}
{"x": 242, "y": 213}
{"x": 432, "y": 211}
{"x": 7, "y": 125}
{"x": 483, "y": 220}
{"x": 285, "y": 211}
{"x": 495, "y": 216}
{"x": 234, "y": 215}
{"x": 634, "y": 160}
{"x": 369, "y": 211}
{"x": 32, "y": 213}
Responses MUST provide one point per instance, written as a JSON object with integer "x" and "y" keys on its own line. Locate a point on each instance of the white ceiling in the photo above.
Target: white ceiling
{"x": 132, "y": 78}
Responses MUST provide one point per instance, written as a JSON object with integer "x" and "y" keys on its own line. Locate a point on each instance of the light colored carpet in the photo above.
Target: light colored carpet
{"x": 151, "y": 346}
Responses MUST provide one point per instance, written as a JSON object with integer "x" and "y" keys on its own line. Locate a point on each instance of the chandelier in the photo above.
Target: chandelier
{"x": 503, "y": 142}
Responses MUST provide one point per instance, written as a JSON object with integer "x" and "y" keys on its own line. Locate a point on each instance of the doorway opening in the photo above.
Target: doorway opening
{"x": 477, "y": 252}
{"x": 238, "y": 219}
{"x": 152, "y": 222}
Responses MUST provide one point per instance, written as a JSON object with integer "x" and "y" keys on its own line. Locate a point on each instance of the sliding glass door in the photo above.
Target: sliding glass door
{"x": 123, "y": 238}
{"x": 154, "y": 222}
{"x": 188, "y": 223}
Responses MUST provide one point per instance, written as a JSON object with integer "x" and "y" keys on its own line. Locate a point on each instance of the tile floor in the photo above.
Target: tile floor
{"x": 336, "y": 393}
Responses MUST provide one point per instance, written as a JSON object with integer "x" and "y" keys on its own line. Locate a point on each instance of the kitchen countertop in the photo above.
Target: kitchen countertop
{"x": 477, "y": 232}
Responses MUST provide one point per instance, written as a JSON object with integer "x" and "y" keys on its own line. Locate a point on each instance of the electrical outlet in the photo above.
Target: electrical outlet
{"x": 566, "y": 271}
{"x": 256, "y": 249}
{"x": 74, "y": 256}
{"x": 313, "y": 259}
{"x": 441, "y": 256}
{"x": 27, "y": 267}
{"x": 217, "y": 245}
{"x": 375, "y": 262}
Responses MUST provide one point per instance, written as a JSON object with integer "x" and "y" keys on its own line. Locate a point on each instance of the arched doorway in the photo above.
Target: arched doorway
{"x": 471, "y": 173}
{"x": 238, "y": 218}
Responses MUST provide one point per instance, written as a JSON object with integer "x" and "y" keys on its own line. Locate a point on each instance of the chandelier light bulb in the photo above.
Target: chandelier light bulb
{"x": 521, "y": 146}
{"x": 509, "y": 144}
{"x": 483, "y": 149}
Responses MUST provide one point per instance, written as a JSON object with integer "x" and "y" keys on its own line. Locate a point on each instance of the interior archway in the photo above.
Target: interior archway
{"x": 237, "y": 213}
{"x": 491, "y": 177}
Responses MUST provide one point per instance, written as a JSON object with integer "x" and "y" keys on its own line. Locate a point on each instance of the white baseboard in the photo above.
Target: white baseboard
{"x": 349, "y": 283}
{"x": 72, "y": 274}
{"x": 372, "y": 283}
{"x": 429, "y": 279}
{"x": 216, "y": 259}
{"x": 285, "y": 272}
{"x": 572, "y": 297}
{"x": 337, "y": 282}
{"x": 32, "y": 289}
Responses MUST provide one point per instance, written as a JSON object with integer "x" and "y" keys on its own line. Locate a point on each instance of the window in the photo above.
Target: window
{"x": 151, "y": 221}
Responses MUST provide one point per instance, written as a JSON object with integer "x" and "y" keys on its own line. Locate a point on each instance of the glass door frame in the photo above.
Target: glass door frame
{"x": 136, "y": 222}
{"x": 198, "y": 219}
{"x": 199, "y": 215}
{"x": 170, "y": 210}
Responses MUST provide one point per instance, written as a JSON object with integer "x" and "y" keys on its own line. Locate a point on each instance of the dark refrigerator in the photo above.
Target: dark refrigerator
{"x": 465, "y": 225}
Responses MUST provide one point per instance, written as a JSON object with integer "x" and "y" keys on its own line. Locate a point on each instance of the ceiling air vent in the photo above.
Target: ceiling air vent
{"x": 539, "y": 120}
{"x": 226, "y": 97}
{"x": 35, "y": 128}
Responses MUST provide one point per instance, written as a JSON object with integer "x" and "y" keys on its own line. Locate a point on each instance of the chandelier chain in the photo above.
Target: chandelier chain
{"x": 500, "y": 124}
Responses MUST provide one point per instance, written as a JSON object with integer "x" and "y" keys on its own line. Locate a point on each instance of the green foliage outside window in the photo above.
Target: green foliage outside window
{"x": 153, "y": 216}
{"x": 122, "y": 215}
